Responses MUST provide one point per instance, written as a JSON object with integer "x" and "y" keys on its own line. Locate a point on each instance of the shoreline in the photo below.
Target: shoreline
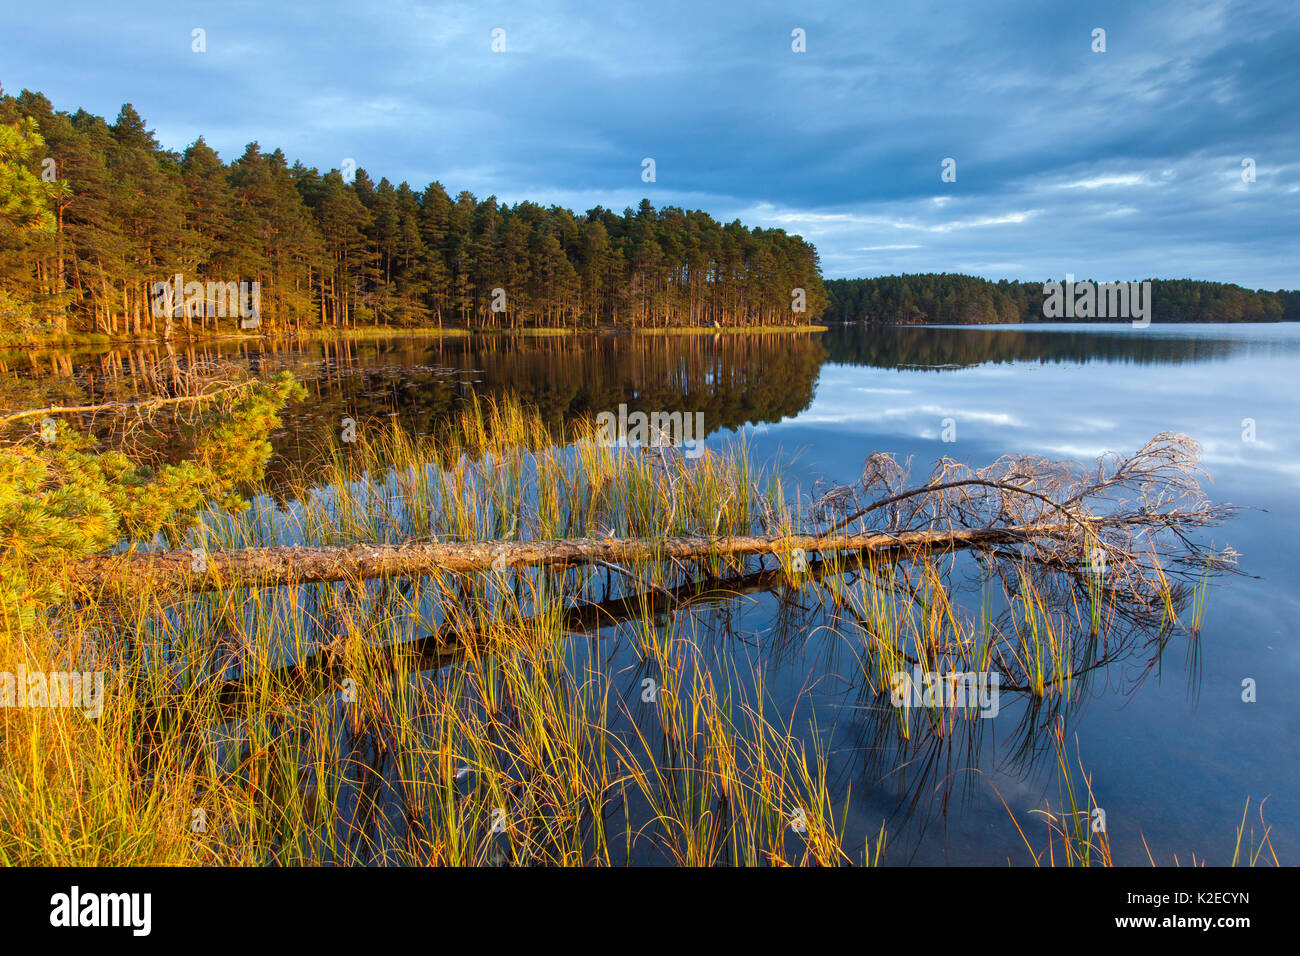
{"x": 85, "y": 339}
{"x": 89, "y": 339}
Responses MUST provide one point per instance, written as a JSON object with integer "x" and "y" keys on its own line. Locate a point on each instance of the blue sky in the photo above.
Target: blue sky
{"x": 1122, "y": 164}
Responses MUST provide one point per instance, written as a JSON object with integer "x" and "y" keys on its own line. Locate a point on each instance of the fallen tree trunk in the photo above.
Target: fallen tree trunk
{"x": 272, "y": 567}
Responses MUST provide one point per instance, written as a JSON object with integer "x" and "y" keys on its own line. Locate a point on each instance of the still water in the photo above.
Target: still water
{"x": 1172, "y": 749}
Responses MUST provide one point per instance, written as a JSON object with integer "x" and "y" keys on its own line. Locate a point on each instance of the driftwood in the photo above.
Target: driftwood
{"x": 271, "y": 567}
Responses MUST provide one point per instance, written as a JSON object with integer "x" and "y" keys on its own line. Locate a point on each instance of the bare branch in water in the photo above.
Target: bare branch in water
{"x": 1128, "y": 520}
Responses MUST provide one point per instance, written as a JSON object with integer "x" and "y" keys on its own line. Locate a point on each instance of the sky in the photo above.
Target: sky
{"x": 1122, "y": 164}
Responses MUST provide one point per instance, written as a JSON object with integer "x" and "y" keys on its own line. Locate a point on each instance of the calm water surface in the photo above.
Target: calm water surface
{"x": 1172, "y": 749}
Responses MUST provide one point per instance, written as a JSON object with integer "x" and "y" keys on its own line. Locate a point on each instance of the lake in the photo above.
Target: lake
{"x": 1172, "y": 749}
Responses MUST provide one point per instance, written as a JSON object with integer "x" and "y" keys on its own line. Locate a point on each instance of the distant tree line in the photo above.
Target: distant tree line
{"x": 952, "y": 299}
{"x": 916, "y": 347}
{"x": 93, "y": 215}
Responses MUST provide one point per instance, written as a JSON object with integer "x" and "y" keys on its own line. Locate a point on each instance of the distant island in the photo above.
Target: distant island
{"x": 954, "y": 299}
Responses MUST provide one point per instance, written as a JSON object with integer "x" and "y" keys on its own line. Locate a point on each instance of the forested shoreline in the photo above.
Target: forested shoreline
{"x": 94, "y": 214}
{"x": 954, "y": 299}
